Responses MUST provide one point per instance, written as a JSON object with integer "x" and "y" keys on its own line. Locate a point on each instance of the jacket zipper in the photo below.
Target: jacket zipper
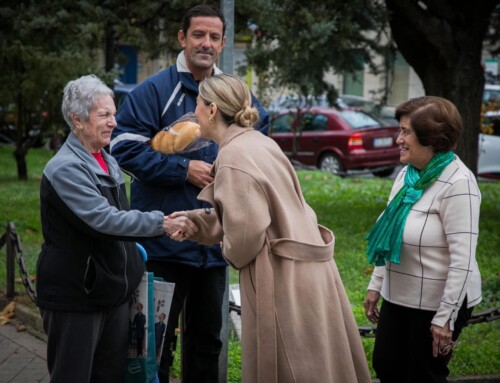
{"x": 85, "y": 275}
{"x": 117, "y": 188}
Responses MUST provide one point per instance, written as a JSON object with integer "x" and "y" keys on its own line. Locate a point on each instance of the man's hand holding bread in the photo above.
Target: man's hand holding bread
{"x": 177, "y": 138}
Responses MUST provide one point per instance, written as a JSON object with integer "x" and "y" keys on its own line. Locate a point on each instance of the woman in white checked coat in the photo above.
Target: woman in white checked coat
{"x": 424, "y": 249}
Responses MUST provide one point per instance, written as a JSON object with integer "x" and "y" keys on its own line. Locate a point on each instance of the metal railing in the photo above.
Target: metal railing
{"x": 15, "y": 254}
{"x": 369, "y": 331}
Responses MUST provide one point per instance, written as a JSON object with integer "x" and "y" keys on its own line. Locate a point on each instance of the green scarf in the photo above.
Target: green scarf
{"x": 386, "y": 236}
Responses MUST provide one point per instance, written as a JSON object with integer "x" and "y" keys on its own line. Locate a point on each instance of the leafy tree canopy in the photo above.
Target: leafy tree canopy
{"x": 299, "y": 42}
{"x": 444, "y": 41}
{"x": 43, "y": 44}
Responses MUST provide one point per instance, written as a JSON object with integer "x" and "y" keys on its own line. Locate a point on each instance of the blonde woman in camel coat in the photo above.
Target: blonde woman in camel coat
{"x": 297, "y": 323}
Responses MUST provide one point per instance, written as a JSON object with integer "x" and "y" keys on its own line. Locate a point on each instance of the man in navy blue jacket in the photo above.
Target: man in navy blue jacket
{"x": 171, "y": 183}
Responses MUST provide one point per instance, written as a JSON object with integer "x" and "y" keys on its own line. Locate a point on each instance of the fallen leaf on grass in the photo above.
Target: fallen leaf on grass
{"x": 8, "y": 313}
{"x": 9, "y": 309}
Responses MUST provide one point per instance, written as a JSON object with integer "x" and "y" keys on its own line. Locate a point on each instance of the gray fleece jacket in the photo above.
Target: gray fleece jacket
{"x": 89, "y": 261}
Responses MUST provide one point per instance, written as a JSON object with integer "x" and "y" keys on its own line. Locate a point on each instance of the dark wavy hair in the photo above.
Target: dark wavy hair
{"x": 435, "y": 121}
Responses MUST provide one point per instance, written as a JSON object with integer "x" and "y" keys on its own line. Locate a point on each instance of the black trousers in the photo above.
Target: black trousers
{"x": 403, "y": 345}
{"x": 87, "y": 347}
{"x": 200, "y": 293}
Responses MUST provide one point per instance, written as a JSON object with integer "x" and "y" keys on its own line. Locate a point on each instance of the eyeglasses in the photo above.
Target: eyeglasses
{"x": 405, "y": 132}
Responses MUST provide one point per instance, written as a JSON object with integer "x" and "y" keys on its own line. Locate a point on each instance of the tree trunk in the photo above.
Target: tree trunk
{"x": 21, "y": 145}
{"x": 443, "y": 42}
{"x": 22, "y": 167}
{"x": 110, "y": 48}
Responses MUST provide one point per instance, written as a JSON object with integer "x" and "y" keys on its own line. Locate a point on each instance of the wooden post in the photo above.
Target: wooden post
{"x": 227, "y": 66}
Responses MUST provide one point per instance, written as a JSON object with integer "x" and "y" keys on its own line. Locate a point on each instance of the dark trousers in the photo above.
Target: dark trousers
{"x": 200, "y": 293}
{"x": 403, "y": 345}
{"x": 139, "y": 345}
{"x": 87, "y": 347}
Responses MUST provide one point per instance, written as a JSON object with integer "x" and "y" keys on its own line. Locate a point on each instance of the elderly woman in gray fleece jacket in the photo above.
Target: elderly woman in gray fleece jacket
{"x": 89, "y": 264}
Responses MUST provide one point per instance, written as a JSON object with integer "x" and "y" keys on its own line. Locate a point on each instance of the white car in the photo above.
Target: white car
{"x": 491, "y": 93}
{"x": 488, "y": 164}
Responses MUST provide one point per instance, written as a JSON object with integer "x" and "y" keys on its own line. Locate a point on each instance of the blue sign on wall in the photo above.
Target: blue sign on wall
{"x": 129, "y": 68}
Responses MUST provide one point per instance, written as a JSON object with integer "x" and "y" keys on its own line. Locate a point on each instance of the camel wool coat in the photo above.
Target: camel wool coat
{"x": 297, "y": 323}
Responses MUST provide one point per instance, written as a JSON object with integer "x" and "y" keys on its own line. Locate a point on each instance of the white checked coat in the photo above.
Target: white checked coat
{"x": 438, "y": 265}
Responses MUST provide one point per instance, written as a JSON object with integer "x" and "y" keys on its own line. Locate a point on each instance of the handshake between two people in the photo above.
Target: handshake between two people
{"x": 178, "y": 226}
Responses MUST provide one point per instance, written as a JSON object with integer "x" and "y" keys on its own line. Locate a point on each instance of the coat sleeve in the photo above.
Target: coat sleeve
{"x": 244, "y": 210}
{"x": 209, "y": 229}
{"x": 138, "y": 120}
{"x": 460, "y": 215}
{"x": 377, "y": 279}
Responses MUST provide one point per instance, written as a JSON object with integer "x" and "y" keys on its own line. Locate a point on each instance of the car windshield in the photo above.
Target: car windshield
{"x": 358, "y": 120}
{"x": 491, "y": 95}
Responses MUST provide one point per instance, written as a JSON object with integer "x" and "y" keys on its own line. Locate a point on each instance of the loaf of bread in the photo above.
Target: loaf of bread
{"x": 177, "y": 138}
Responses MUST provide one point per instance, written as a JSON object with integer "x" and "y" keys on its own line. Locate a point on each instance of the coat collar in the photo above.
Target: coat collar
{"x": 185, "y": 75}
{"x": 231, "y": 133}
{"x": 77, "y": 147}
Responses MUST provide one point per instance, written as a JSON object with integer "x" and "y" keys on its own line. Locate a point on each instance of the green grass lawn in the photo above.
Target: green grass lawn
{"x": 348, "y": 206}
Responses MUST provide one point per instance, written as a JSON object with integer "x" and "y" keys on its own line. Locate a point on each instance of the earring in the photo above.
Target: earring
{"x": 211, "y": 120}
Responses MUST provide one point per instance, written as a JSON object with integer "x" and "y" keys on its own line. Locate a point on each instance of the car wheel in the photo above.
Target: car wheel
{"x": 331, "y": 163}
{"x": 383, "y": 173}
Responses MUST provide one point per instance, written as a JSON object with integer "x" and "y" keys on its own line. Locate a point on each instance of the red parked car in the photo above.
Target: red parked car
{"x": 337, "y": 141}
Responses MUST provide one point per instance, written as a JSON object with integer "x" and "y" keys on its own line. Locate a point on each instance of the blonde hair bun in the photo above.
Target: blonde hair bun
{"x": 247, "y": 117}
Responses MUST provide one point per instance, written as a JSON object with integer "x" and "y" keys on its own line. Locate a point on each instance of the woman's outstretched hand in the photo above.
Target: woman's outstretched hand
{"x": 178, "y": 226}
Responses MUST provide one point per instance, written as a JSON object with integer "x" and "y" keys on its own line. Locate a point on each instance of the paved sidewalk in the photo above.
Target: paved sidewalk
{"x": 23, "y": 353}
{"x": 23, "y": 360}
{"x": 22, "y": 356}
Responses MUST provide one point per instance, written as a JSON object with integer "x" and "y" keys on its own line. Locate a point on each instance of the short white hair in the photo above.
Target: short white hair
{"x": 80, "y": 95}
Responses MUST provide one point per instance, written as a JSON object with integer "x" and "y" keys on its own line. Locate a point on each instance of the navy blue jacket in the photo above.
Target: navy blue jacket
{"x": 159, "y": 181}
